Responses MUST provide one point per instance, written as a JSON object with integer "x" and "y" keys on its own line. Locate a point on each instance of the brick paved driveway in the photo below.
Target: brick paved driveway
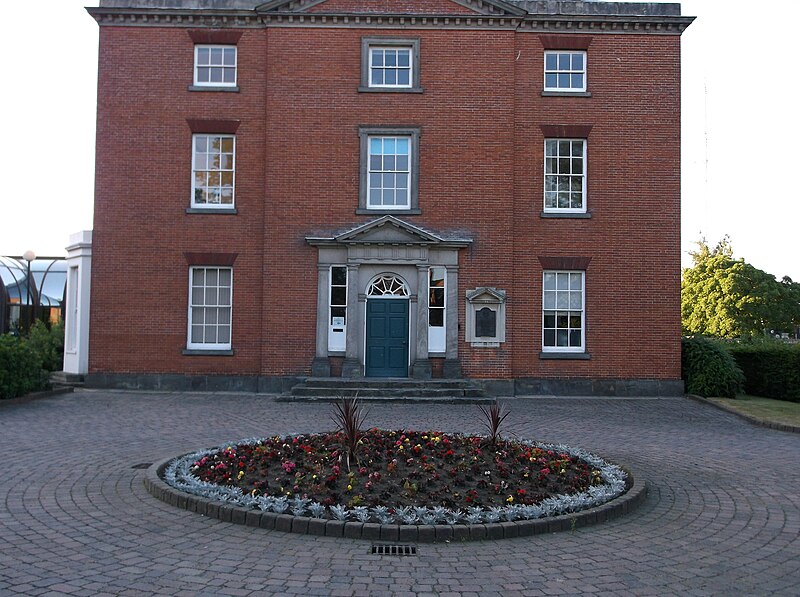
{"x": 722, "y": 517}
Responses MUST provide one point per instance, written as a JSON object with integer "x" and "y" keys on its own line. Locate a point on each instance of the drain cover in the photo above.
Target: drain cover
{"x": 142, "y": 465}
{"x": 393, "y": 549}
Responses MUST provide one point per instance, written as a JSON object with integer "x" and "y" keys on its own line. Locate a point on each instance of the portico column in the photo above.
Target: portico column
{"x": 321, "y": 366}
{"x": 452, "y": 365}
{"x": 352, "y": 364}
{"x": 421, "y": 367}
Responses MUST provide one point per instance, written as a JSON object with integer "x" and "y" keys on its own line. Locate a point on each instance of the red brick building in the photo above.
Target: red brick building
{"x": 388, "y": 188}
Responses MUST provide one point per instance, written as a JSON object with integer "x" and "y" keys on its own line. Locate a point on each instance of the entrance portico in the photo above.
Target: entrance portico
{"x": 423, "y": 266}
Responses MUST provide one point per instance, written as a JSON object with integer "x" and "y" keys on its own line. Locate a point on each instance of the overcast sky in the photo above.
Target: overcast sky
{"x": 740, "y": 128}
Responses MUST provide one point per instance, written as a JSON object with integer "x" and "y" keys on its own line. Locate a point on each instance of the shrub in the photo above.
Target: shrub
{"x": 49, "y": 344}
{"x": 20, "y": 368}
{"x": 771, "y": 370}
{"x": 709, "y": 369}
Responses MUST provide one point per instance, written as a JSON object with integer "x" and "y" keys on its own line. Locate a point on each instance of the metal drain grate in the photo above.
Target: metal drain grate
{"x": 393, "y": 549}
{"x": 142, "y": 465}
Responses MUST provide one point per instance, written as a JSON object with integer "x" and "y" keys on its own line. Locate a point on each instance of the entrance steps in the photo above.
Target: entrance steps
{"x": 388, "y": 389}
{"x": 62, "y": 379}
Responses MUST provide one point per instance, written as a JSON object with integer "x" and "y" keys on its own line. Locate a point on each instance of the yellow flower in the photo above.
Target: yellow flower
{"x": 510, "y": 499}
{"x": 349, "y": 488}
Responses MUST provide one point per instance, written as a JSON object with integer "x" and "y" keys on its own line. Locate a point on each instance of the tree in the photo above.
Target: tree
{"x": 727, "y": 297}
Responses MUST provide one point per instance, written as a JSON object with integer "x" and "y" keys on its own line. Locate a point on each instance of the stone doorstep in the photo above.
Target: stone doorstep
{"x": 305, "y": 525}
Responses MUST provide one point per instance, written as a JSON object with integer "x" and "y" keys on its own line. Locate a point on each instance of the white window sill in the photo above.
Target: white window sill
{"x": 485, "y": 344}
{"x": 382, "y": 212}
{"x": 390, "y": 90}
{"x": 228, "y": 88}
{"x": 202, "y": 352}
{"x": 565, "y": 93}
{"x": 567, "y": 214}
{"x": 230, "y": 211}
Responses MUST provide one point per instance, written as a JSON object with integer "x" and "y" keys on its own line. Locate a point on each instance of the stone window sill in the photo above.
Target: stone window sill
{"x": 390, "y": 90}
{"x": 565, "y": 356}
{"x": 566, "y": 94}
{"x": 194, "y": 352}
{"x": 390, "y": 212}
{"x": 568, "y": 215}
{"x": 220, "y": 211}
{"x": 234, "y": 89}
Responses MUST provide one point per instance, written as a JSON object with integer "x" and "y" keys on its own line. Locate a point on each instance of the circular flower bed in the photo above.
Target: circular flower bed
{"x": 405, "y": 477}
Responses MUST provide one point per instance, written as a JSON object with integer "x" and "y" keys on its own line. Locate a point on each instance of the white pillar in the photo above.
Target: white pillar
{"x": 79, "y": 274}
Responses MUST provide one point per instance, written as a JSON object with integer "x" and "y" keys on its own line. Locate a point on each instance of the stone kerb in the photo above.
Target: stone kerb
{"x": 636, "y": 492}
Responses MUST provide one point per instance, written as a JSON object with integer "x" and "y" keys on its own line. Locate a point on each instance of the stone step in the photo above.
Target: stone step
{"x": 62, "y": 379}
{"x": 392, "y": 399}
{"x": 387, "y": 389}
{"x": 423, "y": 392}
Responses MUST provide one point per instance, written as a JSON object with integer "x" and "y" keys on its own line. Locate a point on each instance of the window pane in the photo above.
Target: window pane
{"x": 390, "y": 58}
{"x": 436, "y": 318}
{"x": 563, "y": 200}
{"x": 575, "y": 338}
{"x": 388, "y": 145}
{"x": 402, "y": 146}
{"x": 404, "y": 57}
{"x": 375, "y": 145}
{"x": 216, "y": 75}
{"x": 551, "y": 80}
{"x": 224, "y": 277}
{"x": 575, "y": 300}
{"x": 549, "y": 299}
{"x": 576, "y": 281}
{"x": 577, "y": 148}
{"x": 224, "y": 296}
{"x": 216, "y": 55}
{"x": 436, "y": 297}
{"x": 577, "y": 61}
{"x": 549, "y": 337}
{"x": 229, "y": 58}
{"x": 401, "y": 163}
{"x": 197, "y": 316}
{"x": 210, "y": 335}
{"x": 550, "y": 320}
{"x": 224, "y": 334}
{"x": 550, "y": 200}
{"x": 197, "y": 296}
{"x": 198, "y": 277}
{"x": 562, "y": 300}
{"x": 562, "y": 281}
{"x": 377, "y": 77}
{"x": 550, "y": 61}
{"x": 562, "y": 338}
{"x": 563, "y": 61}
{"x": 197, "y": 334}
{"x": 577, "y": 166}
{"x": 576, "y": 81}
{"x": 575, "y": 320}
{"x": 563, "y": 81}
{"x": 377, "y": 57}
{"x": 202, "y": 55}
{"x": 339, "y": 276}
{"x": 229, "y": 75}
{"x": 551, "y": 147}
{"x": 338, "y": 312}
{"x": 403, "y": 77}
{"x": 549, "y": 281}
{"x": 338, "y": 295}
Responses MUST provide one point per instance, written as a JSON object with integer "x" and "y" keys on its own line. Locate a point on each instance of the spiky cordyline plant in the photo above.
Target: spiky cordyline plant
{"x": 495, "y": 415}
{"x": 349, "y": 417}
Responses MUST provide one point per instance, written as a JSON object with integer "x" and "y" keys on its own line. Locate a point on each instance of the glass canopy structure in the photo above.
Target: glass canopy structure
{"x": 23, "y": 298}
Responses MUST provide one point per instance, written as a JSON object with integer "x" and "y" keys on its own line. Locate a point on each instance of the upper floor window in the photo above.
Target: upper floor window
{"x": 213, "y": 169}
{"x": 564, "y": 71}
{"x": 390, "y": 64}
{"x": 215, "y": 66}
{"x": 563, "y": 325}
{"x": 389, "y": 164}
{"x": 210, "y": 303}
{"x": 565, "y": 175}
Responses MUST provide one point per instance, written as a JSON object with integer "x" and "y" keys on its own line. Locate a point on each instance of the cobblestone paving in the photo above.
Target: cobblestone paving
{"x": 722, "y": 516}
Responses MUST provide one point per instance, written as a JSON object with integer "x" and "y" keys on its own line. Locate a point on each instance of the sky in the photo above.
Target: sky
{"x": 739, "y": 128}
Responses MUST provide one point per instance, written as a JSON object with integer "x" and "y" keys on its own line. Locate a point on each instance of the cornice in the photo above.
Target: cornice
{"x": 659, "y": 25}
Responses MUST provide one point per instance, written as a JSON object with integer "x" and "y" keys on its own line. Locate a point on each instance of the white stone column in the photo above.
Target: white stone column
{"x": 421, "y": 366}
{"x": 452, "y": 366}
{"x": 79, "y": 278}
{"x": 321, "y": 366}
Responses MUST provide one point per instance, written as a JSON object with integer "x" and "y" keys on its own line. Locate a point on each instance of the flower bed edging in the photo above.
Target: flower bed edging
{"x": 636, "y": 491}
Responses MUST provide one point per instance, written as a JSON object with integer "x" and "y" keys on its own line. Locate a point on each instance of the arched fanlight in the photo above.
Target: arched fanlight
{"x": 387, "y": 285}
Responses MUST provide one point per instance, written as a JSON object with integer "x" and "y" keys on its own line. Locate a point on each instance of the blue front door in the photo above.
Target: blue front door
{"x": 387, "y": 338}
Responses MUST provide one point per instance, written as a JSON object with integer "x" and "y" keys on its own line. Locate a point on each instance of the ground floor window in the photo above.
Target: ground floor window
{"x": 563, "y": 321}
{"x": 337, "y": 307}
{"x": 210, "y": 304}
{"x": 436, "y": 309}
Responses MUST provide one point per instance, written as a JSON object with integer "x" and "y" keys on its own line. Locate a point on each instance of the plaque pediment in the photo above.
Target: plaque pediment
{"x": 486, "y": 295}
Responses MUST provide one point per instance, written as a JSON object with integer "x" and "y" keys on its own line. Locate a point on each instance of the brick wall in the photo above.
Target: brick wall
{"x": 481, "y": 157}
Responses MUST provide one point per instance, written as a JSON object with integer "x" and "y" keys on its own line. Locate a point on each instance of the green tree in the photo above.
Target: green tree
{"x": 729, "y": 298}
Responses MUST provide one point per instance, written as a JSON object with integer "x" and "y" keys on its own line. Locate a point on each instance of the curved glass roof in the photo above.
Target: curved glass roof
{"x": 48, "y": 281}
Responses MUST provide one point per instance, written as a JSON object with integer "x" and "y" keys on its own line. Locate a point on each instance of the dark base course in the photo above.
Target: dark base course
{"x": 636, "y": 492}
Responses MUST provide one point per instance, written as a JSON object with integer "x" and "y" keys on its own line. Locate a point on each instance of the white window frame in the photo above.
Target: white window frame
{"x": 396, "y": 68}
{"x": 208, "y": 345}
{"x": 208, "y": 170}
{"x": 558, "y": 176}
{"x": 568, "y": 309}
{"x": 198, "y": 66}
{"x": 337, "y": 334}
{"x": 565, "y": 71}
{"x": 408, "y": 173}
{"x": 437, "y": 335}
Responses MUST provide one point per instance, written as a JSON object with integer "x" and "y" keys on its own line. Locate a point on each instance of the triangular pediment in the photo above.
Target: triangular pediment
{"x": 394, "y": 7}
{"x": 486, "y": 295}
{"x": 388, "y": 230}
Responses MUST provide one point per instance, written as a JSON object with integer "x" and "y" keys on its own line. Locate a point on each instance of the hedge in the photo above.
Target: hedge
{"x": 709, "y": 369}
{"x": 20, "y": 368}
{"x": 770, "y": 370}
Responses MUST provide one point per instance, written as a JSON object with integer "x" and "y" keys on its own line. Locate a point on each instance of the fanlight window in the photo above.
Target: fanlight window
{"x": 387, "y": 285}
